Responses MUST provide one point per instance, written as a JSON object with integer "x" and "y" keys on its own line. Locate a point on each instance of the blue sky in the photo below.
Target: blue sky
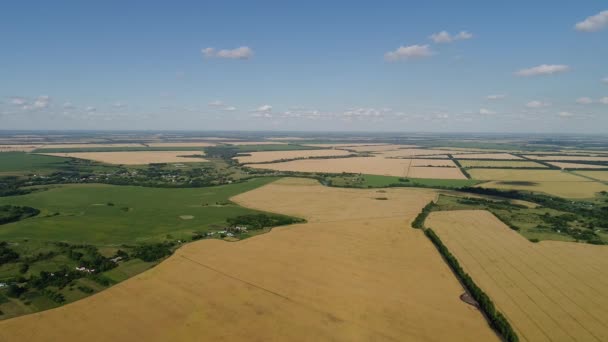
{"x": 313, "y": 65}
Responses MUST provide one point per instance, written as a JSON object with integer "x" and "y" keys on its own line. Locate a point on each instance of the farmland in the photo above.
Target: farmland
{"x": 599, "y": 175}
{"x": 268, "y": 156}
{"x": 350, "y": 238}
{"x": 497, "y": 156}
{"x": 367, "y": 165}
{"x": 500, "y": 163}
{"x": 549, "y": 291}
{"x": 135, "y": 158}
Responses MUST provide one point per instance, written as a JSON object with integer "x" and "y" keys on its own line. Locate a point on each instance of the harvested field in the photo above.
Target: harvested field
{"x": 412, "y": 152}
{"x": 433, "y": 162}
{"x": 376, "y": 148}
{"x": 566, "y": 158}
{"x": 135, "y": 158}
{"x": 584, "y": 189}
{"x": 247, "y": 143}
{"x": 549, "y": 291}
{"x": 497, "y": 156}
{"x": 524, "y": 175}
{"x": 500, "y": 163}
{"x": 599, "y": 175}
{"x": 181, "y": 144}
{"x": 344, "y": 145}
{"x": 18, "y": 148}
{"x": 267, "y": 156}
{"x": 90, "y": 145}
{"x": 367, "y": 165}
{"x": 577, "y": 166}
{"x": 353, "y": 272}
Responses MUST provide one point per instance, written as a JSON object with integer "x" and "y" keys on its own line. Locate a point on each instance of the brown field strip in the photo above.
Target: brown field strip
{"x": 497, "y": 156}
{"x": 577, "y": 166}
{"x": 135, "y": 157}
{"x": 367, "y": 165}
{"x": 549, "y": 291}
{"x": 267, "y": 156}
{"x": 354, "y": 272}
{"x": 566, "y": 158}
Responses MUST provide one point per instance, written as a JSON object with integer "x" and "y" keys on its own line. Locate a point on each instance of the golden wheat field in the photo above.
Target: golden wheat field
{"x": 500, "y": 163}
{"x": 412, "y": 152}
{"x": 267, "y": 156}
{"x": 248, "y": 143}
{"x": 525, "y": 175}
{"x": 549, "y": 291}
{"x": 135, "y": 158}
{"x": 354, "y": 272}
{"x": 563, "y": 165}
{"x": 599, "y": 175}
{"x": 367, "y": 165}
{"x": 181, "y": 144}
{"x": 375, "y": 148}
{"x": 344, "y": 145}
{"x": 567, "y": 158}
{"x": 497, "y": 156}
{"x": 578, "y": 190}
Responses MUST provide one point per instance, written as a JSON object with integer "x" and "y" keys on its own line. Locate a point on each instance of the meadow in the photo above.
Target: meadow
{"x": 549, "y": 291}
{"x": 136, "y": 158}
{"x": 346, "y": 274}
{"x": 14, "y": 162}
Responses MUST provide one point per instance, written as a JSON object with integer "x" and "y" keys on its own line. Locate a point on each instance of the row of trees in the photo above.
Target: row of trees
{"x": 496, "y": 318}
{"x": 419, "y": 220}
{"x": 260, "y": 221}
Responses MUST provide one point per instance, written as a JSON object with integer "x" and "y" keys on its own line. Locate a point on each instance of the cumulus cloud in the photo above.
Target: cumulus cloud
{"x": 42, "y": 102}
{"x": 90, "y": 109}
{"x": 584, "y": 100}
{"x": 242, "y": 52}
{"x": 496, "y": 97}
{"x": 409, "y": 52}
{"x": 484, "y": 111}
{"x": 543, "y": 69}
{"x": 216, "y": 103}
{"x": 604, "y": 100}
{"x": 445, "y": 37}
{"x": 229, "y": 108}
{"x": 264, "y": 109}
{"x": 593, "y": 23}
{"x": 118, "y": 105}
{"x": 565, "y": 114}
{"x": 18, "y": 101}
{"x": 537, "y": 104}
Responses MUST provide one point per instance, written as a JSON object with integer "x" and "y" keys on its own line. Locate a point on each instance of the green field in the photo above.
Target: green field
{"x": 116, "y": 149}
{"x": 16, "y": 162}
{"x": 111, "y": 215}
{"x": 375, "y": 181}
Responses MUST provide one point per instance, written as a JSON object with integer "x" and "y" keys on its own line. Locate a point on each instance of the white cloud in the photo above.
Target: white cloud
{"x": 537, "y": 104}
{"x": 565, "y": 114}
{"x": 118, "y": 105}
{"x": 408, "y": 52}
{"x": 593, "y": 23}
{"x": 229, "y": 108}
{"x": 264, "y": 111}
{"x": 445, "y": 37}
{"x": 242, "y": 52}
{"x": 18, "y": 101}
{"x": 90, "y": 109}
{"x": 484, "y": 111}
{"x": 496, "y": 96}
{"x": 584, "y": 100}
{"x": 604, "y": 100}
{"x": 42, "y": 102}
{"x": 68, "y": 105}
{"x": 543, "y": 69}
{"x": 216, "y": 103}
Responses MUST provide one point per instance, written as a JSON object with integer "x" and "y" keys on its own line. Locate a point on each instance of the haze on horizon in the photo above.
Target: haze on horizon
{"x": 439, "y": 66}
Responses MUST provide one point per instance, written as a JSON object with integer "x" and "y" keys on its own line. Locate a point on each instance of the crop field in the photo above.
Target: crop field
{"x": 106, "y": 214}
{"x": 553, "y": 182}
{"x": 135, "y": 157}
{"x": 181, "y": 144}
{"x": 497, "y": 156}
{"x": 549, "y": 291}
{"x": 292, "y": 282}
{"x": 268, "y": 156}
{"x": 344, "y": 145}
{"x": 376, "y": 148}
{"x": 566, "y": 158}
{"x": 500, "y": 163}
{"x": 432, "y": 162}
{"x": 366, "y": 165}
{"x": 563, "y": 165}
{"x": 412, "y": 152}
{"x": 18, "y": 148}
{"x": 249, "y": 143}
{"x": 31, "y": 163}
{"x": 375, "y": 181}
{"x": 599, "y": 175}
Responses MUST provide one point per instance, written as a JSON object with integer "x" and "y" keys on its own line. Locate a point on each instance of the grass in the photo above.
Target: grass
{"x": 375, "y": 181}
{"x": 80, "y": 213}
{"x": 128, "y": 269}
{"x": 15, "y": 162}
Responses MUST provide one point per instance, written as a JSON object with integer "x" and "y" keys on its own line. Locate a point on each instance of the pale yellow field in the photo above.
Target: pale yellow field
{"x": 366, "y": 165}
{"x": 433, "y": 162}
{"x": 500, "y": 163}
{"x": 599, "y": 175}
{"x": 577, "y": 166}
{"x": 566, "y": 158}
{"x": 376, "y": 148}
{"x": 524, "y": 175}
{"x": 354, "y": 272}
{"x": 18, "y": 148}
{"x": 247, "y": 143}
{"x": 411, "y": 152}
{"x": 549, "y": 291}
{"x": 181, "y": 144}
{"x": 583, "y": 189}
{"x": 344, "y": 145}
{"x": 90, "y": 145}
{"x": 267, "y": 156}
{"x": 135, "y": 158}
{"x": 497, "y": 156}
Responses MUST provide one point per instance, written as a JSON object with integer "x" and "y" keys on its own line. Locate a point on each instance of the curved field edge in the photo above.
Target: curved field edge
{"x": 252, "y": 310}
